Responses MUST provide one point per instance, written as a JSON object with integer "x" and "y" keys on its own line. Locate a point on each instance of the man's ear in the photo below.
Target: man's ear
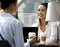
{"x": 13, "y": 10}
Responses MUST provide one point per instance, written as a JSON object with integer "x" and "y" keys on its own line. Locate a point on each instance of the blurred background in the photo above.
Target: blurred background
{"x": 27, "y": 10}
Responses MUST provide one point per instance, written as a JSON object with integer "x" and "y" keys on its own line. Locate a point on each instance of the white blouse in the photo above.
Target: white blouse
{"x": 50, "y": 31}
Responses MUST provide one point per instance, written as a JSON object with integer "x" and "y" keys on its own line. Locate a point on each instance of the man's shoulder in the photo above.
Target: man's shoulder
{"x": 15, "y": 21}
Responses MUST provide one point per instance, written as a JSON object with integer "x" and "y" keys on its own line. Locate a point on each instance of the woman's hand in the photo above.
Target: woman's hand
{"x": 32, "y": 41}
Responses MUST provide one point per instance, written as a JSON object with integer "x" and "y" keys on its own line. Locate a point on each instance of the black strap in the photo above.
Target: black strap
{"x": 4, "y": 43}
{"x": 1, "y": 36}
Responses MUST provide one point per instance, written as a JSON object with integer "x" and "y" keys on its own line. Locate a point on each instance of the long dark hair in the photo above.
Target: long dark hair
{"x": 45, "y": 4}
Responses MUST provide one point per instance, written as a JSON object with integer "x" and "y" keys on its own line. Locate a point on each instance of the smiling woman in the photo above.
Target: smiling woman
{"x": 44, "y": 27}
{"x": 27, "y": 10}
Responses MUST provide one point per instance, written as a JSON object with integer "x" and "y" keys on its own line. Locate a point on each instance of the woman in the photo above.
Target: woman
{"x": 48, "y": 28}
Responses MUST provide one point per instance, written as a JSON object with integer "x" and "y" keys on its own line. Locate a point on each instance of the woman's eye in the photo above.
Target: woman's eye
{"x": 43, "y": 10}
{"x": 38, "y": 9}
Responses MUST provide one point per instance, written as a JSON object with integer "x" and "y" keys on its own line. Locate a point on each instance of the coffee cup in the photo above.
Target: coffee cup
{"x": 31, "y": 35}
{"x": 42, "y": 38}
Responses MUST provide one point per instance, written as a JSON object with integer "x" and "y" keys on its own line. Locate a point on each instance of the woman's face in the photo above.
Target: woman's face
{"x": 41, "y": 12}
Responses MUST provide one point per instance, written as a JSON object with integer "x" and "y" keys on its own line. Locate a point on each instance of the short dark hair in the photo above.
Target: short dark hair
{"x": 6, "y": 3}
{"x": 45, "y": 4}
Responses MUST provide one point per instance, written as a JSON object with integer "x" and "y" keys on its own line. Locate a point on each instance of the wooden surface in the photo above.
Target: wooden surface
{"x": 53, "y": 45}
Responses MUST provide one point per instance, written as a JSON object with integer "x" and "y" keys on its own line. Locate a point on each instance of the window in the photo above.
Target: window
{"x": 27, "y": 10}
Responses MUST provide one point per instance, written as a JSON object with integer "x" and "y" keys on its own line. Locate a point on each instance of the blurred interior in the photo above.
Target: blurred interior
{"x": 27, "y": 10}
